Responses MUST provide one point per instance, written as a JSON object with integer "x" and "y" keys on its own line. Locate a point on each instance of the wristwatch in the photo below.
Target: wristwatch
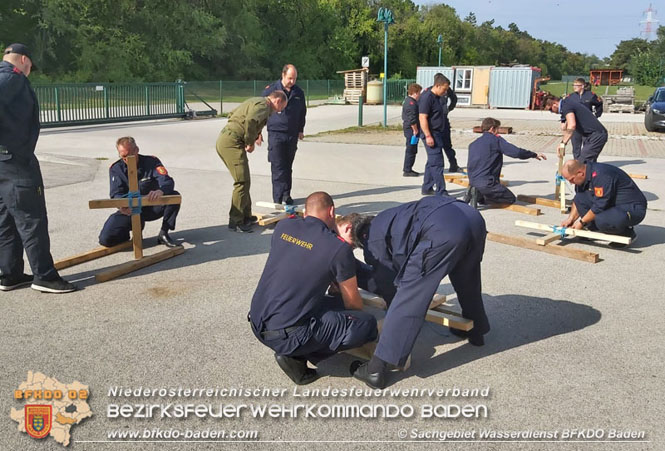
{"x": 582, "y": 222}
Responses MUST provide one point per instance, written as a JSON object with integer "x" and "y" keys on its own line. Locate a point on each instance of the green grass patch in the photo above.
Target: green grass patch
{"x": 642, "y": 93}
{"x": 356, "y": 129}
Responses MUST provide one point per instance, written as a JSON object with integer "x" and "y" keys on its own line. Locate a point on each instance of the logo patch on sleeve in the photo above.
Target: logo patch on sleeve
{"x": 162, "y": 170}
{"x": 598, "y": 191}
{"x": 594, "y": 173}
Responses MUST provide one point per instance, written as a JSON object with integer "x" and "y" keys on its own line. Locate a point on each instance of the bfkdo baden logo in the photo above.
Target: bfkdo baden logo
{"x": 38, "y": 420}
{"x": 51, "y": 408}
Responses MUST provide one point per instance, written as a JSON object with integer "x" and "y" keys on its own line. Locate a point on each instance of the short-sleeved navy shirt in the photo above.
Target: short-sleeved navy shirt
{"x": 585, "y": 120}
{"x": 610, "y": 186}
{"x": 305, "y": 257}
{"x": 430, "y": 104}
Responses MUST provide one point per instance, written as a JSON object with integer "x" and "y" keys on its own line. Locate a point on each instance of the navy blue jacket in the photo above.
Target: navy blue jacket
{"x": 610, "y": 186}
{"x": 152, "y": 176}
{"x": 292, "y": 119}
{"x": 590, "y": 100}
{"x": 586, "y": 122}
{"x": 19, "y": 115}
{"x": 486, "y": 157}
{"x": 393, "y": 235}
{"x": 430, "y": 104}
{"x": 410, "y": 114}
{"x": 305, "y": 257}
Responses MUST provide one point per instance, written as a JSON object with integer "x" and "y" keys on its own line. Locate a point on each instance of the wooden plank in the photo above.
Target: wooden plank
{"x": 540, "y": 201}
{"x": 558, "y": 186}
{"x": 562, "y": 251}
{"x": 171, "y": 199}
{"x": 133, "y": 178}
{"x": 271, "y": 219}
{"x": 569, "y": 231}
{"x": 501, "y": 130}
{"x": 463, "y": 181}
{"x": 93, "y": 254}
{"x": 126, "y": 268}
{"x": 444, "y": 319}
{"x": 638, "y": 176}
{"x": 376, "y": 301}
{"x": 517, "y": 208}
{"x": 547, "y": 239}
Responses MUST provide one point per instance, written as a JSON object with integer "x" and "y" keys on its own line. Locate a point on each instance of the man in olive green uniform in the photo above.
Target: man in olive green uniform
{"x": 238, "y": 138}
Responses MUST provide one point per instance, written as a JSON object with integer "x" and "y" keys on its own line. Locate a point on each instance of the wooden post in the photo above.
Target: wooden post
{"x": 137, "y": 232}
{"x": 569, "y": 231}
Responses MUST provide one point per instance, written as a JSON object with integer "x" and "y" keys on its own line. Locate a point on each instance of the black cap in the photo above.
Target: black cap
{"x": 20, "y": 49}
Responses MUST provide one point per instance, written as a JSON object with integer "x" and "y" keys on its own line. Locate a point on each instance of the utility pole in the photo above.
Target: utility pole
{"x": 439, "y": 40}
{"x": 386, "y": 16}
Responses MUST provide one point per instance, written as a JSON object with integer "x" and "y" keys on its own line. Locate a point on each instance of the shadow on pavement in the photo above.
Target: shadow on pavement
{"x": 204, "y": 245}
{"x": 516, "y": 321}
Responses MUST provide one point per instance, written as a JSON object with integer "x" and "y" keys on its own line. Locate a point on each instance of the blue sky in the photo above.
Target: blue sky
{"x": 593, "y": 27}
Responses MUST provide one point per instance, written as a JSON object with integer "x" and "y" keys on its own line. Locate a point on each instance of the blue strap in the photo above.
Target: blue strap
{"x": 559, "y": 178}
{"x": 560, "y": 230}
{"x": 136, "y": 209}
{"x": 290, "y": 209}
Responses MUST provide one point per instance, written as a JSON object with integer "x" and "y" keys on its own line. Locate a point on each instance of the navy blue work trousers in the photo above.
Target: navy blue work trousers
{"x": 433, "y": 178}
{"x": 615, "y": 220}
{"x": 282, "y": 149}
{"x": 447, "y": 143}
{"x": 410, "y": 152}
{"x": 23, "y": 220}
{"x": 451, "y": 244}
{"x": 492, "y": 192}
{"x": 326, "y": 333}
{"x": 117, "y": 226}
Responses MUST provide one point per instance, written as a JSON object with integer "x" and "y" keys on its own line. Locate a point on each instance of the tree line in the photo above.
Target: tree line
{"x": 165, "y": 40}
{"x": 642, "y": 59}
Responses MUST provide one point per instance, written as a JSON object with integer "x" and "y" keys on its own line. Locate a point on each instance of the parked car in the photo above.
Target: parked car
{"x": 654, "y": 119}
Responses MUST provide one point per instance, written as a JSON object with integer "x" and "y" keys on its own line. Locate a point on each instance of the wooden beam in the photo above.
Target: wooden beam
{"x": 300, "y": 209}
{"x": 126, "y": 268}
{"x": 265, "y": 220}
{"x": 501, "y": 130}
{"x": 569, "y": 231}
{"x": 562, "y": 251}
{"x": 124, "y": 202}
{"x": 638, "y": 176}
{"x": 547, "y": 239}
{"x": 517, "y": 208}
{"x": 376, "y": 301}
{"x": 93, "y": 254}
{"x": 463, "y": 181}
{"x": 444, "y": 319}
{"x": 540, "y": 201}
{"x": 137, "y": 230}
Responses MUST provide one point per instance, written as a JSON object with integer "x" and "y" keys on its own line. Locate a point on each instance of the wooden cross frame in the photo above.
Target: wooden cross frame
{"x": 137, "y": 239}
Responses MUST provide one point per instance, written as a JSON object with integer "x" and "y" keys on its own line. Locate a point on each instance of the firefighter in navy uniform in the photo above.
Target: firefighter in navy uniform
{"x": 154, "y": 182}
{"x": 607, "y": 200}
{"x": 583, "y": 94}
{"x": 576, "y": 118}
{"x": 284, "y": 131}
{"x": 411, "y": 129}
{"x": 23, "y": 218}
{"x": 486, "y": 160}
{"x": 430, "y": 115}
{"x": 410, "y": 249}
{"x": 448, "y": 95}
{"x": 290, "y": 311}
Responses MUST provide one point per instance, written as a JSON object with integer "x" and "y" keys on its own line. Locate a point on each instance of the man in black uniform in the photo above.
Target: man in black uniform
{"x": 410, "y": 249}
{"x": 430, "y": 115}
{"x": 608, "y": 200}
{"x": 590, "y": 100}
{"x": 447, "y": 107}
{"x": 154, "y": 182}
{"x": 485, "y": 163}
{"x": 290, "y": 311}
{"x": 411, "y": 129}
{"x": 284, "y": 131}
{"x": 578, "y": 118}
{"x": 23, "y": 219}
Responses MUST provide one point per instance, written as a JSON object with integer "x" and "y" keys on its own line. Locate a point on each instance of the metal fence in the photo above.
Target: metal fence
{"x": 92, "y": 103}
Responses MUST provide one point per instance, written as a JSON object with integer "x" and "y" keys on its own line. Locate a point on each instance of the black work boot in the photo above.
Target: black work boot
{"x": 296, "y": 369}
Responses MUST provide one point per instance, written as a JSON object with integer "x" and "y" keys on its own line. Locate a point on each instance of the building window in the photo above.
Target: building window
{"x": 463, "y": 79}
